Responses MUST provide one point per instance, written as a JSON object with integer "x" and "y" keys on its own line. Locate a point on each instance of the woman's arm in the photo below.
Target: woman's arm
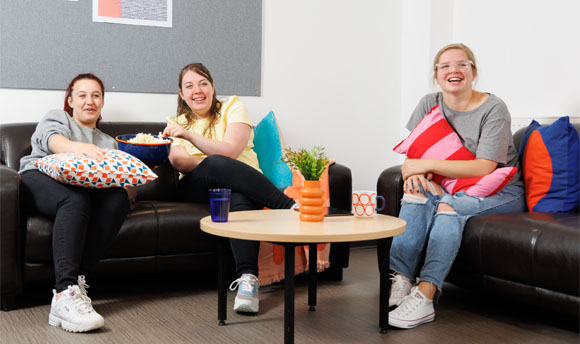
{"x": 60, "y": 144}
{"x": 448, "y": 168}
{"x": 235, "y": 139}
{"x": 182, "y": 161}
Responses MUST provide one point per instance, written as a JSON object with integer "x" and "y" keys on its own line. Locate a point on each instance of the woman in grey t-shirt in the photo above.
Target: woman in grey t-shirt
{"x": 435, "y": 219}
{"x": 85, "y": 220}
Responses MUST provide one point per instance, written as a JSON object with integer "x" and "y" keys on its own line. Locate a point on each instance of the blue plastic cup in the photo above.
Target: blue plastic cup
{"x": 219, "y": 204}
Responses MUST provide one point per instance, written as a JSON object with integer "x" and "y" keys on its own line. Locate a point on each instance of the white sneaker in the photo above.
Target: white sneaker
{"x": 247, "y": 300}
{"x": 400, "y": 287}
{"x": 83, "y": 288}
{"x": 73, "y": 311}
{"x": 414, "y": 310}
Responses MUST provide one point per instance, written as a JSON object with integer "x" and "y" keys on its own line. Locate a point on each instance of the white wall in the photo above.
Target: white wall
{"x": 331, "y": 74}
{"x": 528, "y": 51}
{"x": 347, "y": 74}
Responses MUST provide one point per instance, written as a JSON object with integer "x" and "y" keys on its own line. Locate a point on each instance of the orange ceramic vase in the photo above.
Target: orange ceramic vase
{"x": 311, "y": 201}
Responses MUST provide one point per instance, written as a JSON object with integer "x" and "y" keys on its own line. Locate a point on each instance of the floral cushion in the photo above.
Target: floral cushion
{"x": 434, "y": 138}
{"x": 116, "y": 169}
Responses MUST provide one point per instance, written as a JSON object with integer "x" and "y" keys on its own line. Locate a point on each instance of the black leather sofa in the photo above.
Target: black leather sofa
{"x": 533, "y": 258}
{"x": 160, "y": 234}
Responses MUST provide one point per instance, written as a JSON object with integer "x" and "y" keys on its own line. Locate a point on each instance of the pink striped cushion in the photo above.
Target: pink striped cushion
{"x": 433, "y": 138}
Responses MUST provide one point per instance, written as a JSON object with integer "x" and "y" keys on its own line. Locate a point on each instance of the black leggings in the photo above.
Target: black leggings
{"x": 251, "y": 190}
{"x": 85, "y": 222}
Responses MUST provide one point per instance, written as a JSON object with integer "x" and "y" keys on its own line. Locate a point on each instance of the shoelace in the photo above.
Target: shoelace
{"x": 78, "y": 301}
{"x": 408, "y": 305}
{"x": 83, "y": 286}
{"x": 245, "y": 283}
{"x": 400, "y": 287}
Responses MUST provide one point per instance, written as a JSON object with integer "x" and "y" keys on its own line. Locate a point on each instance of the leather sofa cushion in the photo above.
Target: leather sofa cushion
{"x": 151, "y": 229}
{"x": 539, "y": 249}
{"x": 180, "y": 230}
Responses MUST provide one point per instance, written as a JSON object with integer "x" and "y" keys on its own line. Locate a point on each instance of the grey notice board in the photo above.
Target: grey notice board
{"x": 45, "y": 43}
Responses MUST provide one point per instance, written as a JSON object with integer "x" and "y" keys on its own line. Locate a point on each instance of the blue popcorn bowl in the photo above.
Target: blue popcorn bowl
{"x": 151, "y": 154}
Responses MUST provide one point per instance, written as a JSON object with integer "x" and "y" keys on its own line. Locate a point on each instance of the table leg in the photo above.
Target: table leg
{"x": 289, "y": 293}
{"x": 222, "y": 275}
{"x": 312, "y": 272}
{"x": 383, "y": 256}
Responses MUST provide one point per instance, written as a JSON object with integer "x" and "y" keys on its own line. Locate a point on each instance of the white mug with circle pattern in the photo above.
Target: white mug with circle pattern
{"x": 364, "y": 203}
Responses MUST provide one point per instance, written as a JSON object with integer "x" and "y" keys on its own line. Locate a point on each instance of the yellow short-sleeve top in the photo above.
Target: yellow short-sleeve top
{"x": 232, "y": 111}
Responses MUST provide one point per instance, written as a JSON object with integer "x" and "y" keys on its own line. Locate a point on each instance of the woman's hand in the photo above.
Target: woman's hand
{"x": 413, "y": 167}
{"x": 86, "y": 149}
{"x": 60, "y": 144}
{"x": 175, "y": 130}
{"x": 411, "y": 184}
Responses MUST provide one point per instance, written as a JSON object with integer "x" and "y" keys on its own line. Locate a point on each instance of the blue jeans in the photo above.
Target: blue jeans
{"x": 436, "y": 237}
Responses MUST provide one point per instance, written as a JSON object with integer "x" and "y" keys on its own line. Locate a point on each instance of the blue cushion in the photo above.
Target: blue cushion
{"x": 268, "y": 146}
{"x": 549, "y": 157}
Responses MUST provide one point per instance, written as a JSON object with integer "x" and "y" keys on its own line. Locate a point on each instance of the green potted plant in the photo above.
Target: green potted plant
{"x": 311, "y": 164}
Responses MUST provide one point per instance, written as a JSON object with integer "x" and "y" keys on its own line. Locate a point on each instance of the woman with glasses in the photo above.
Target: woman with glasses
{"x": 435, "y": 219}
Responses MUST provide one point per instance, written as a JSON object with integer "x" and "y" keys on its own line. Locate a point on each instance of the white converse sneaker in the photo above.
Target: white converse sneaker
{"x": 73, "y": 311}
{"x": 414, "y": 310}
{"x": 247, "y": 300}
{"x": 400, "y": 287}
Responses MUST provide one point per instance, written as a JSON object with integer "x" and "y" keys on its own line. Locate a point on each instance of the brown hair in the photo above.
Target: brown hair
{"x": 183, "y": 108}
{"x": 460, "y": 46}
{"x": 69, "y": 90}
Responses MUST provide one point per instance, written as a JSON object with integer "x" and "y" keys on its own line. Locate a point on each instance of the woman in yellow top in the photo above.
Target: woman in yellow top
{"x": 213, "y": 149}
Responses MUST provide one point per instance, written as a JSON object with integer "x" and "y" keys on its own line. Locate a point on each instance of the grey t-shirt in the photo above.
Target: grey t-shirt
{"x": 59, "y": 122}
{"x": 485, "y": 131}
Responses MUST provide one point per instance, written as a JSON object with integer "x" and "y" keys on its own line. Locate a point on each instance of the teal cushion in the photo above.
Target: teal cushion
{"x": 268, "y": 146}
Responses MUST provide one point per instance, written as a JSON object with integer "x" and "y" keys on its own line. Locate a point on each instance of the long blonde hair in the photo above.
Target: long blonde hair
{"x": 183, "y": 108}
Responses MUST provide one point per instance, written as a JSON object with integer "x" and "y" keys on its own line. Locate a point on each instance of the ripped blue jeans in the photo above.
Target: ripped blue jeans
{"x": 436, "y": 237}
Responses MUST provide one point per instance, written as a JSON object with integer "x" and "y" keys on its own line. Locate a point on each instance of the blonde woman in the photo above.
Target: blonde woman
{"x": 435, "y": 219}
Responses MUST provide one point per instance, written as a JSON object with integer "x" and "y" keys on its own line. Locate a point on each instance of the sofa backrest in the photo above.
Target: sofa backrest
{"x": 15, "y": 143}
{"x": 519, "y": 134}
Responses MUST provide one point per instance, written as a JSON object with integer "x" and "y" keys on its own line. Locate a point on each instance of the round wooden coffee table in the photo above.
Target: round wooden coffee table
{"x": 284, "y": 227}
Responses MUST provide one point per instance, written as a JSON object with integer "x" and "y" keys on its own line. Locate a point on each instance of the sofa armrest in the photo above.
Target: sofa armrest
{"x": 390, "y": 186}
{"x": 11, "y": 232}
{"x": 340, "y": 186}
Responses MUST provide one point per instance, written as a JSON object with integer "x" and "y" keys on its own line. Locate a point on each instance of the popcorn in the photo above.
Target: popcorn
{"x": 147, "y": 139}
